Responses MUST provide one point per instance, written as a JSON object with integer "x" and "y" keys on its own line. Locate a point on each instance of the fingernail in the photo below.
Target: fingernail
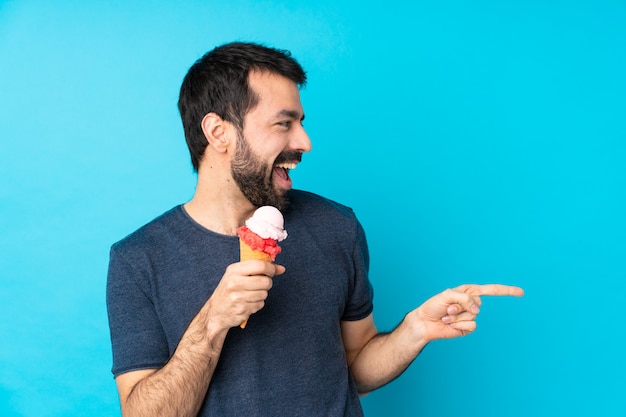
{"x": 446, "y": 319}
{"x": 475, "y": 309}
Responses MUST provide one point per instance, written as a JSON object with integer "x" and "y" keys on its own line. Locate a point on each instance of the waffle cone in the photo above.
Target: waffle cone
{"x": 246, "y": 253}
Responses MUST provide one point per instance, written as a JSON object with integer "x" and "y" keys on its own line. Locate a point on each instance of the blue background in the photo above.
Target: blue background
{"x": 478, "y": 141}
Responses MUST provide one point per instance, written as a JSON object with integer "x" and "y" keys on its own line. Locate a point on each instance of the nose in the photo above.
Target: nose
{"x": 301, "y": 140}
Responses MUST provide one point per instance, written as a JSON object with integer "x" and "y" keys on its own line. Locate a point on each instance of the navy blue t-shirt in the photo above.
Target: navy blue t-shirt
{"x": 289, "y": 360}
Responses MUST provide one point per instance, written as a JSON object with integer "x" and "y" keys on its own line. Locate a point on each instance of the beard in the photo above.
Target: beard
{"x": 254, "y": 177}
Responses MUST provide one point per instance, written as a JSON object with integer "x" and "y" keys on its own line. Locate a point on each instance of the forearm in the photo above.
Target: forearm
{"x": 387, "y": 355}
{"x": 179, "y": 388}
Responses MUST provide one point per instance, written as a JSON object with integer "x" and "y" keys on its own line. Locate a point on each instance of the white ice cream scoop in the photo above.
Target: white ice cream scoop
{"x": 267, "y": 222}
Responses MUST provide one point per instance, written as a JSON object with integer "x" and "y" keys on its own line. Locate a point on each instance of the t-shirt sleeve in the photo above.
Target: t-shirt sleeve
{"x": 137, "y": 337}
{"x": 361, "y": 300}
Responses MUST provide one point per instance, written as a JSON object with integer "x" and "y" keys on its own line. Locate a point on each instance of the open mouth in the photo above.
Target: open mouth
{"x": 282, "y": 172}
{"x": 285, "y": 162}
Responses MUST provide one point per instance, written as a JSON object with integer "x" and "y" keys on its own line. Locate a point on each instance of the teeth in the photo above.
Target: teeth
{"x": 287, "y": 165}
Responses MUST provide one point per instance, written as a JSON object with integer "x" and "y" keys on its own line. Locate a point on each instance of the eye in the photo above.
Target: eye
{"x": 286, "y": 124}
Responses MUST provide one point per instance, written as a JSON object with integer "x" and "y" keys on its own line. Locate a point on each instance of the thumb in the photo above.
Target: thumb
{"x": 279, "y": 269}
{"x": 458, "y": 301}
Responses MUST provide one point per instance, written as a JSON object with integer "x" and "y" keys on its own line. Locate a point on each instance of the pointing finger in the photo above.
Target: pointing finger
{"x": 492, "y": 290}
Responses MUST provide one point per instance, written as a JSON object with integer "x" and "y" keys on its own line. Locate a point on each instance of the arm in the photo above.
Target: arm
{"x": 375, "y": 358}
{"x": 179, "y": 387}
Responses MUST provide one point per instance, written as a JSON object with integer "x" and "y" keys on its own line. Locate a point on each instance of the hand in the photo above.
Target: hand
{"x": 242, "y": 291}
{"x": 453, "y": 312}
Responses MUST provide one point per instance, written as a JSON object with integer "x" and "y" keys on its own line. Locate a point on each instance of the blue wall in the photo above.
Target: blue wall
{"x": 491, "y": 133}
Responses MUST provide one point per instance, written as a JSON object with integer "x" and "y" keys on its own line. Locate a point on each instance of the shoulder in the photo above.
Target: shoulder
{"x": 321, "y": 215}
{"x": 151, "y": 233}
{"x": 313, "y": 205}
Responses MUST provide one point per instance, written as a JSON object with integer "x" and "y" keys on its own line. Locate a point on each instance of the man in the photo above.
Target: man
{"x": 176, "y": 292}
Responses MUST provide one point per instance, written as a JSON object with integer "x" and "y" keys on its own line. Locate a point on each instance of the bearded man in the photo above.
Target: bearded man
{"x": 176, "y": 293}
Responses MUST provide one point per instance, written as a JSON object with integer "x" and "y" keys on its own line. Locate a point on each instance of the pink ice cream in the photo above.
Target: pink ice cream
{"x": 263, "y": 230}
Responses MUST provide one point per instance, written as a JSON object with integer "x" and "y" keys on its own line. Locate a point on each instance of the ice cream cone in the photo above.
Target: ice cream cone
{"x": 258, "y": 238}
{"x": 246, "y": 253}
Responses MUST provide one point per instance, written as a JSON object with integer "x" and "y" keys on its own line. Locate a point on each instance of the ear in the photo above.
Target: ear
{"x": 215, "y": 131}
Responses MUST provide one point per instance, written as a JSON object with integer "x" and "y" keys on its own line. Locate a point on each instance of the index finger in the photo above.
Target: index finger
{"x": 492, "y": 289}
{"x": 258, "y": 267}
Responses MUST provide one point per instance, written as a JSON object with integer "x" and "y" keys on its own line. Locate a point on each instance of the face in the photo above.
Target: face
{"x": 272, "y": 142}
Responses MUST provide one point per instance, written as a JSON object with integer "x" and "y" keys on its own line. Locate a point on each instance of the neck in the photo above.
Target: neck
{"x": 218, "y": 204}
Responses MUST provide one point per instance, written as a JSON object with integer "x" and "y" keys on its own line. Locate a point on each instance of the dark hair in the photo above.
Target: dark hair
{"x": 218, "y": 82}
